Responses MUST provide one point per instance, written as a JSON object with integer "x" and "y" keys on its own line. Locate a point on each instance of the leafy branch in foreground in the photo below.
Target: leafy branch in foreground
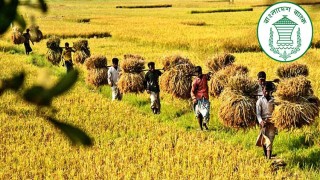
{"x": 42, "y": 97}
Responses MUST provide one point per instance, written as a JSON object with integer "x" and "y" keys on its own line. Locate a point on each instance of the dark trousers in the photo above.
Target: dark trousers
{"x": 69, "y": 65}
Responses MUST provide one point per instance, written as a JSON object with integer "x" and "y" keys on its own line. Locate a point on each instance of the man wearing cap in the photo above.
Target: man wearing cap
{"x": 265, "y": 106}
{"x": 200, "y": 97}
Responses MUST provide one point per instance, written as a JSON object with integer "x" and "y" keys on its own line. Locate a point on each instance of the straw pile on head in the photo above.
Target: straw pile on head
{"x": 297, "y": 106}
{"x": 237, "y": 111}
{"x": 220, "y": 61}
{"x": 97, "y": 70}
{"x": 133, "y": 77}
{"x": 220, "y": 78}
{"x": 82, "y": 51}
{"x": 17, "y": 37}
{"x": 54, "y": 52}
{"x": 238, "y": 108}
{"x": 177, "y": 79}
{"x": 292, "y": 70}
{"x": 35, "y": 33}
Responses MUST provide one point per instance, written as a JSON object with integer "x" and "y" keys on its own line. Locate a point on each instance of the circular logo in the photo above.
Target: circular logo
{"x": 285, "y": 31}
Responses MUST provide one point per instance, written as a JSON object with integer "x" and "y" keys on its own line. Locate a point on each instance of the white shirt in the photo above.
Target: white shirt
{"x": 113, "y": 75}
{"x": 264, "y": 108}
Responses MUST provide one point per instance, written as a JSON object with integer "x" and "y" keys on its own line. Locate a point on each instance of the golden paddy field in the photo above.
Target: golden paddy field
{"x": 129, "y": 141}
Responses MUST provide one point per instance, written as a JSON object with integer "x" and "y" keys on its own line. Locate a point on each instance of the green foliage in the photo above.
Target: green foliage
{"x": 9, "y": 13}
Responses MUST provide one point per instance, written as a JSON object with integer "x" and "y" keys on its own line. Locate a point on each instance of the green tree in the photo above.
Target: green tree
{"x": 38, "y": 95}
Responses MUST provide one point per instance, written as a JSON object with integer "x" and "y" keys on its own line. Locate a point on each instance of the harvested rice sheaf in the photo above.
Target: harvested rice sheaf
{"x": 17, "y": 36}
{"x": 289, "y": 115}
{"x": 54, "y": 55}
{"x": 172, "y": 61}
{"x": 220, "y": 79}
{"x": 82, "y": 51}
{"x": 131, "y": 82}
{"x": 220, "y": 61}
{"x": 95, "y": 62}
{"x": 292, "y": 70}
{"x": 35, "y": 33}
{"x": 53, "y": 42}
{"x": 79, "y": 57}
{"x": 241, "y": 84}
{"x": 132, "y": 64}
{"x": 177, "y": 78}
{"x": 98, "y": 77}
{"x": 237, "y": 111}
{"x": 81, "y": 45}
{"x": 294, "y": 88}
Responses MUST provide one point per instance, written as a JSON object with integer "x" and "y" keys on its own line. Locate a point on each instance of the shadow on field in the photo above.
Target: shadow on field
{"x": 299, "y": 143}
{"x": 11, "y": 50}
{"x": 307, "y": 160}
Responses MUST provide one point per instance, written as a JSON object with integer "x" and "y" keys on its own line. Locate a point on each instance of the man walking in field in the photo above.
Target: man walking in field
{"x": 113, "y": 78}
{"x": 26, "y": 42}
{"x": 152, "y": 86}
{"x": 265, "y": 106}
{"x": 200, "y": 98}
{"x": 66, "y": 55}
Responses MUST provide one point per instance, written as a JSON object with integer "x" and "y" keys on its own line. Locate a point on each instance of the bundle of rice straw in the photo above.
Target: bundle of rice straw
{"x": 172, "y": 61}
{"x": 96, "y": 62}
{"x": 237, "y": 110}
{"x": 294, "y": 88}
{"x": 97, "y": 70}
{"x": 82, "y": 51}
{"x": 133, "y": 77}
{"x": 132, "y": 64}
{"x": 220, "y": 78}
{"x": 35, "y": 33}
{"x": 220, "y": 61}
{"x": 289, "y": 115}
{"x": 17, "y": 37}
{"x": 297, "y": 106}
{"x": 292, "y": 70}
{"x": 54, "y": 52}
{"x": 131, "y": 82}
{"x": 241, "y": 84}
{"x": 177, "y": 79}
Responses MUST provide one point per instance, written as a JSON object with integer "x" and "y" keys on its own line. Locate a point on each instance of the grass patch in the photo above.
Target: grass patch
{"x": 85, "y": 20}
{"x": 12, "y": 49}
{"x": 146, "y": 6}
{"x": 222, "y": 10}
{"x": 81, "y": 35}
{"x": 194, "y": 23}
{"x": 301, "y": 3}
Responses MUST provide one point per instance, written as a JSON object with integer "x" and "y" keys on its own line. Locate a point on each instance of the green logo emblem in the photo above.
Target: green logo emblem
{"x": 285, "y": 32}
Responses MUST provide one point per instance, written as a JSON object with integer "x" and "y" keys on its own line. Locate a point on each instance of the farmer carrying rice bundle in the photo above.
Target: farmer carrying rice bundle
{"x": 200, "y": 97}
{"x": 265, "y": 106}
{"x": 152, "y": 86}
